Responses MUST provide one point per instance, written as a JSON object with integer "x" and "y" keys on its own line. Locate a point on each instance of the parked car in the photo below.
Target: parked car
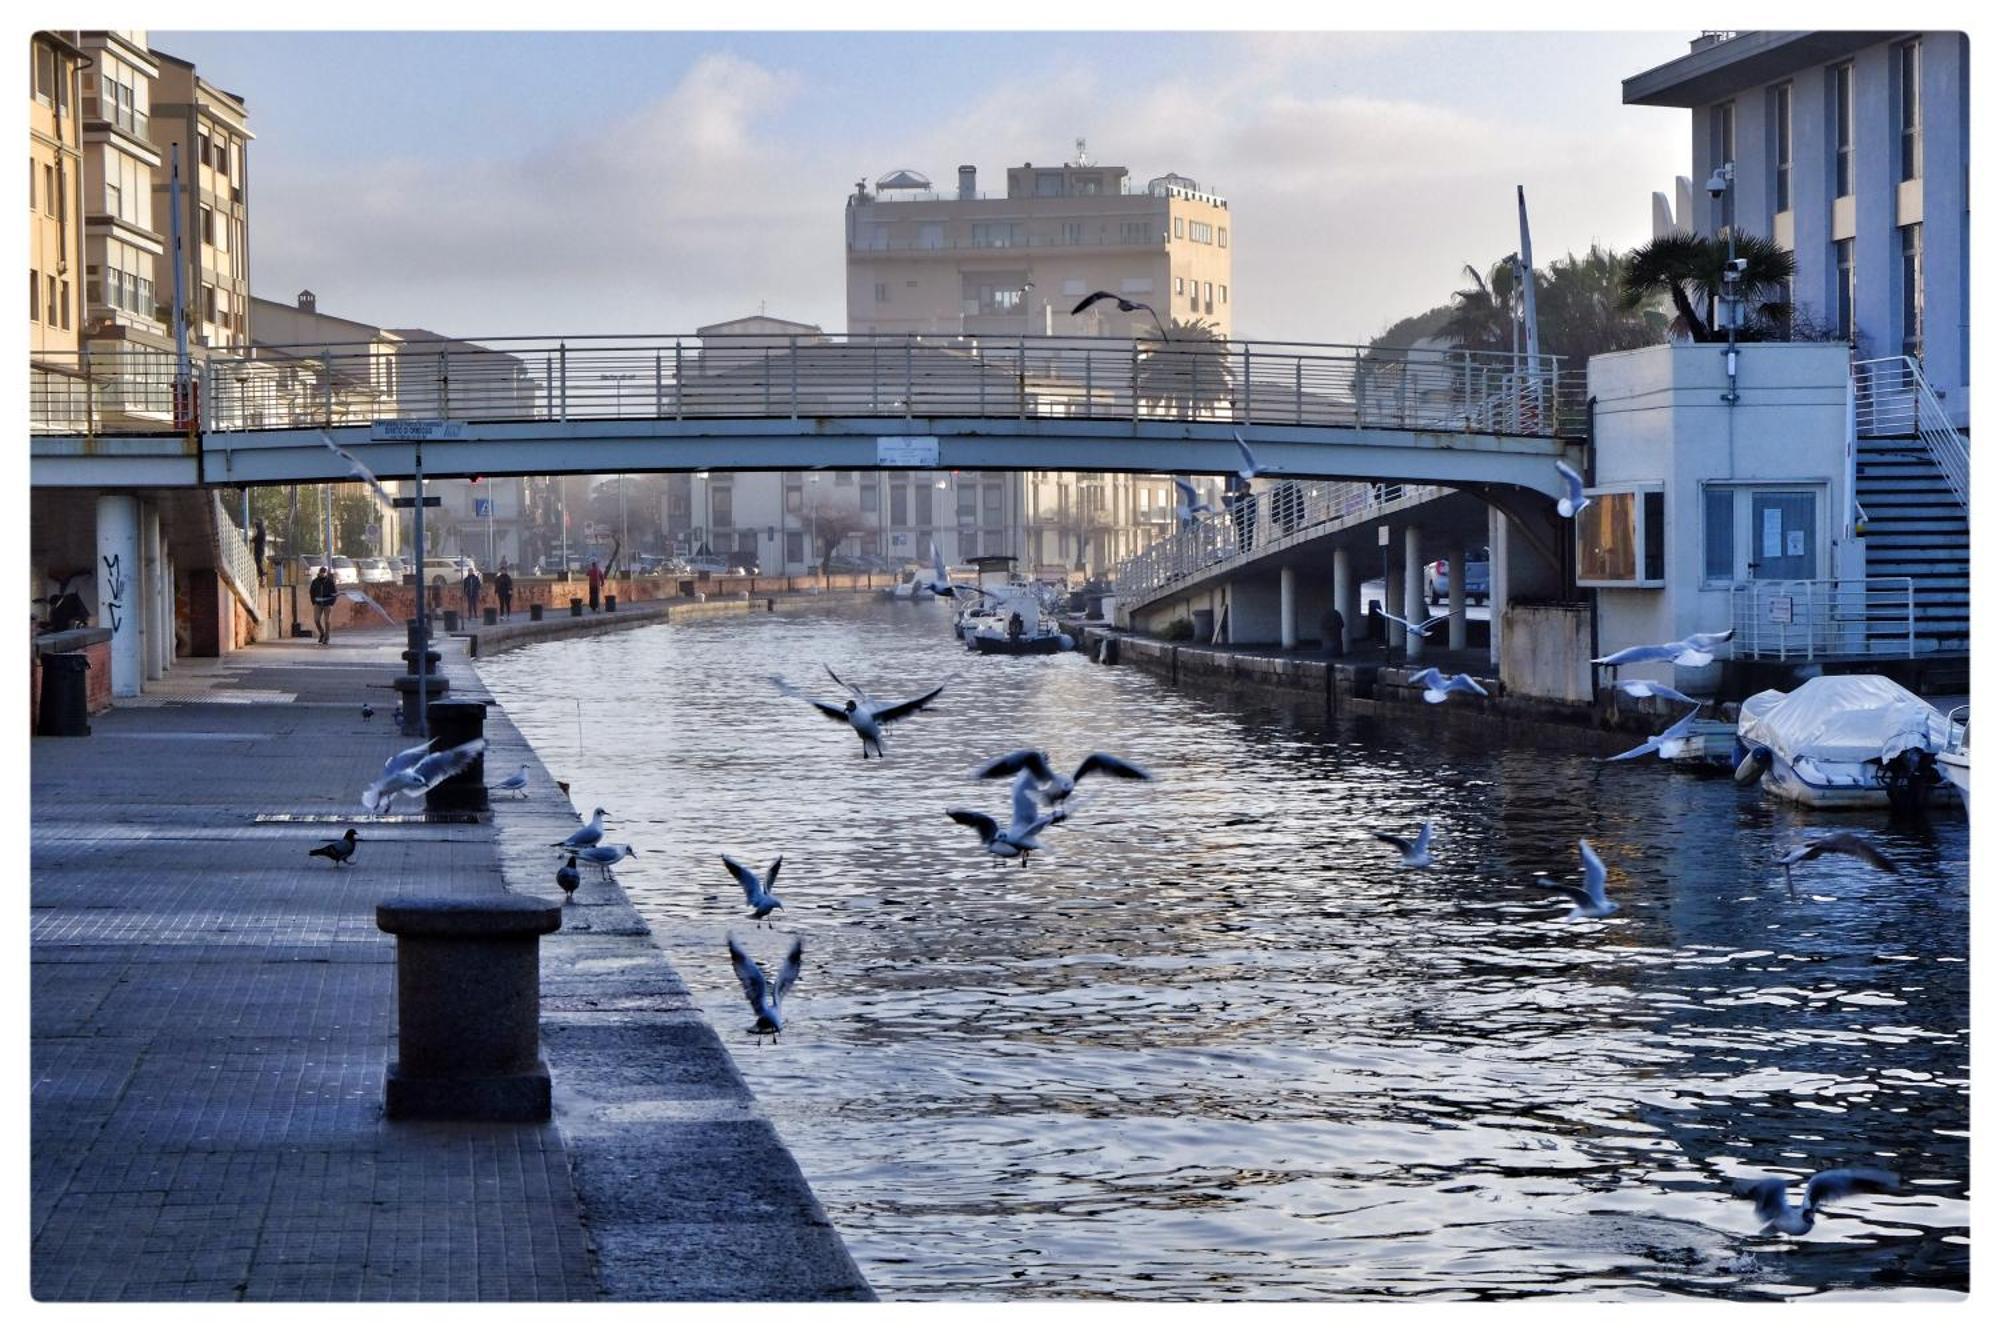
{"x": 1437, "y": 578}
{"x": 346, "y": 574}
{"x": 374, "y": 569}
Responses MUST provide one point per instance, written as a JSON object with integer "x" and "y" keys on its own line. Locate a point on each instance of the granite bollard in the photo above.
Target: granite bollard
{"x": 468, "y": 1008}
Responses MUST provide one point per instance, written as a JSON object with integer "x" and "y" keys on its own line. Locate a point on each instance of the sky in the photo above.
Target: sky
{"x": 482, "y": 184}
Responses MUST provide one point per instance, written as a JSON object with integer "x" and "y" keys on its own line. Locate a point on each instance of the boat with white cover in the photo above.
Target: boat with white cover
{"x": 1843, "y": 742}
{"x": 1955, "y": 759}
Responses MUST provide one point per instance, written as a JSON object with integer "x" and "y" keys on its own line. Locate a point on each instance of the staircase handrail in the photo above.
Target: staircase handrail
{"x": 1910, "y": 402}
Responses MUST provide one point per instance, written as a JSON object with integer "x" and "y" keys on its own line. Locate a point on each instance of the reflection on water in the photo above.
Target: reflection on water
{"x": 1214, "y": 1042}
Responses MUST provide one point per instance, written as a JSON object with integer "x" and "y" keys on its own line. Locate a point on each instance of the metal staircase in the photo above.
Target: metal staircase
{"x": 1911, "y": 479}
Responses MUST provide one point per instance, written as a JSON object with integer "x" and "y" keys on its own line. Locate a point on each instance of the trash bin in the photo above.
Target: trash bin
{"x": 451, "y": 622}
{"x": 534, "y": 610}
{"x": 610, "y": 602}
{"x": 489, "y": 616}
{"x": 576, "y": 606}
{"x": 65, "y": 703}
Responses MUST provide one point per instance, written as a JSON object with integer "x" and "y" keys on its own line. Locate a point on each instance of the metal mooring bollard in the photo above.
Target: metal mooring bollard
{"x": 454, "y": 722}
{"x": 576, "y": 606}
{"x": 610, "y": 602}
{"x": 468, "y": 1008}
{"x": 421, "y": 659}
{"x": 489, "y": 615}
{"x": 534, "y": 610}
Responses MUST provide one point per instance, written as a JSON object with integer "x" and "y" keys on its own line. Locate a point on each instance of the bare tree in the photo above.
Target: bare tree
{"x": 829, "y": 527}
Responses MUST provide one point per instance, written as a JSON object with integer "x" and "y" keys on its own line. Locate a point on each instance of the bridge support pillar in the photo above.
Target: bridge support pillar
{"x": 118, "y": 590}
{"x": 152, "y": 627}
{"x": 1288, "y": 608}
{"x": 1455, "y": 597}
{"x": 1415, "y": 609}
{"x": 1343, "y": 595}
{"x": 1496, "y": 582}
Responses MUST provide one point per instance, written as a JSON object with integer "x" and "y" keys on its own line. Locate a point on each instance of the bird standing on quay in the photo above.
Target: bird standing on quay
{"x": 766, "y": 997}
{"x": 567, "y": 879}
{"x": 367, "y": 711}
{"x": 340, "y": 851}
{"x": 757, "y": 892}
{"x": 604, "y": 856}
{"x": 588, "y": 836}
{"x": 516, "y": 782}
{"x": 1774, "y": 1207}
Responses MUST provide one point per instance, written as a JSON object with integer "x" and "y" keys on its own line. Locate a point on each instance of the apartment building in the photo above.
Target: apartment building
{"x": 55, "y": 215}
{"x": 964, "y": 264}
{"x": 1852, "y": 150}
{"x": 212, "y": 128}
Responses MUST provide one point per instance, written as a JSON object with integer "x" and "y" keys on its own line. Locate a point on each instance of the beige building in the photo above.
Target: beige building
{"x": 962, "y": 263}
{"x": 213, "y": 130}
{"x": 55, "y": 217}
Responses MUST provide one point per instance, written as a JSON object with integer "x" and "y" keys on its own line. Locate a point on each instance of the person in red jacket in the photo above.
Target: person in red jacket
{"x": 596, "y": 577}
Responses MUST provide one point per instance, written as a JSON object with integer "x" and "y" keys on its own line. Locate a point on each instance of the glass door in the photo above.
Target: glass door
{"x": 1783, "y": 532}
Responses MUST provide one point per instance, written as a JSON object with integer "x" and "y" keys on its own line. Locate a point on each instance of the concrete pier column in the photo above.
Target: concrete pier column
{"x": 1344, "y": 594}
{"x": 119, "y": 590}
{"x": 1288, "y": 608}
{"x": 1496, "y": 581}
{"x": 1454, "y": 583}
{"x": 154, "y": 630}
{"x": 1415, "y": 609}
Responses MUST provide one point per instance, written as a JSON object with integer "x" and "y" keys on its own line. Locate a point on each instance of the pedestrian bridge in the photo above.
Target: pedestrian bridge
{"x": 544, "y": 406}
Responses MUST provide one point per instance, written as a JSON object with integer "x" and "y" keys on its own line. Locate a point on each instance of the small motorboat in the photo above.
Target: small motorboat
{"x": 1843, "y": 742}
{"x": 1955, "y": 759}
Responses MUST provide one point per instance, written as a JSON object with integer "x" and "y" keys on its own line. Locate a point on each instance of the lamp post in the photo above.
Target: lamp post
{"x": 1720, "y": 183}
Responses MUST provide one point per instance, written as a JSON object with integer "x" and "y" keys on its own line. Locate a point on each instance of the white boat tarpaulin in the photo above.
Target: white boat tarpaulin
{"x": 1841, "y": 719}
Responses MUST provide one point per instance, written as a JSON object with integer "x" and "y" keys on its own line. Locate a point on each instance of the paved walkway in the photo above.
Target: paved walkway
{"x": 213, "y": 1013}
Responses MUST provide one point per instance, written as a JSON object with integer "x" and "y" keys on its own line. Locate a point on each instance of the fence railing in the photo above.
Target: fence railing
{"x": 1892, "y": 398}
{"x": 1260, "y": 521}
{"x": 235, "y": 559}
{"x": 899, "y": 375}
{"x": 1815, "y": 619}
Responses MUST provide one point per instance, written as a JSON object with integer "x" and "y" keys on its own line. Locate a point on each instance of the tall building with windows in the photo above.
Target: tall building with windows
{"x": 55, "y": 210}
{"x": 1852, "y": 150}
{"x": 212, "y": 128}
{"x": 961, "y": 263}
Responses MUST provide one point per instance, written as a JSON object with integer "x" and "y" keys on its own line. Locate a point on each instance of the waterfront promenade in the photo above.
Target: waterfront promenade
{"x": 213, "y": 1013}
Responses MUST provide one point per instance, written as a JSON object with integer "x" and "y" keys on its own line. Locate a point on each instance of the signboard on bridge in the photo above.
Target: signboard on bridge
{"x": 416, "y": 430}
{"x": 900, "y": 451}
{"x": 1781, "y": 610}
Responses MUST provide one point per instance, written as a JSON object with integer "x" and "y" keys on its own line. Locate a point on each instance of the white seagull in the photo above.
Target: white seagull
{"x": 416, "y": 770}
{"x": 1437, "y": 689}
{"x": 940, "y": 583}
{"x": 766, "y": 997}
{"x": 864, "y": 713}
{"x": 1190, "y": 502}
{"x": 1669, "y": 744}
{"x": 1416, "y": 855}
{"x": 1696, "y": 650}
{"x": 1844, "y": 843}
{"x": 1018, "y": 838}
{"x": 516, "y": 782}
{"x": 1251, "y": 467}
{"x": 588, "y": 836}
{"x": 1053, "y": 787}
{"x": 604, "y": 856}
{"x": 1652, "y": 689}
{"x": 757, "y": 892}
{"x": 1575, "y": 501}
{"x": 1590, "y": 899}
{"x": 1422, "y": 629}
{"x": 1774, "y": 1208}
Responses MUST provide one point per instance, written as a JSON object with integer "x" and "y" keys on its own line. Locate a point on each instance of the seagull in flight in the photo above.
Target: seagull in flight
{"x": 1844, "y": 843}
{"x": 1574, "y": 501}
{"x": 1696, "y": 650}
{"x": 340, "y": 851}
{"x": 567, "y": 879}
{"x": 766, "y": 997}
{"x": 757, "y": 892}
{"x": 516, "y": 782}
{"x": 1127, "y": 306}
{"x": 1018, "y": 838}
{"x": 1051, "y": 786}
{"x": 588, "y": 836}
{"x": 940, "y": 583}
{"x": 1774, "y": 1208}
{"x": 1669, "y": 744}
{"x": 1590, "y": 899}
{"x": 1251, "y": 467}
{"x": 416, "y": 770}
{"x": 1652, "y": 689}
{"x": 604, "y": 856}
{"x": 1190, "y": 503}
{"x": 1437, "y": 689}
{"x": 1416, "y": 855}
{"x": 864, "y": 713}
{"x": 1422, "y": 629}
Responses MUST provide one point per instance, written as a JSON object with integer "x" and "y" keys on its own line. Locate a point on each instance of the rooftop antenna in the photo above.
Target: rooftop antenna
{"x": 1082, "y": 157}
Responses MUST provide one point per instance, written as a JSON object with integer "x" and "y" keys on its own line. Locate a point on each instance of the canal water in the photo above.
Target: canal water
{"x": 1214, "y": 1042}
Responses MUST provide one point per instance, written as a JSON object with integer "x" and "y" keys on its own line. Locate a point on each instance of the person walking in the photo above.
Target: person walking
{"x": 503, "y": 588}
{"x": 322, "y": 593}
{"x": 471, "y": 588}
{"x": 596, "y": 577}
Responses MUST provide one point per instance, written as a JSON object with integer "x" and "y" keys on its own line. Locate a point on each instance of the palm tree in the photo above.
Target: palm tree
{"x": 1483, "y": 315}
{"x": 1188, "y": 370}
{"x": 1580, "y": 311}
{"x": 1687, "y": 270}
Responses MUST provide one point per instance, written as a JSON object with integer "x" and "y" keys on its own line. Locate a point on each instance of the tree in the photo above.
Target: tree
{"x": 1483, "y": 316}
{"x": 1580, "y": 310}
{"x": 1187, "y": 370}
{"x": 829, "y": 527}
{"x": 1687, "y": 270}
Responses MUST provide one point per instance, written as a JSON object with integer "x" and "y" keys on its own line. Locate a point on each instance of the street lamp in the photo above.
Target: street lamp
{"x": 1720, "y": 183}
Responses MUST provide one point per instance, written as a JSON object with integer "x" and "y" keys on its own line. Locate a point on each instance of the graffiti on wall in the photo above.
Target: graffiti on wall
{"x": 114, "y": 582}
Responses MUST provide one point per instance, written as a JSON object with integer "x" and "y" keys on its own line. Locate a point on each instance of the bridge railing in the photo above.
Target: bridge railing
{"x": 1811, "y": 619}
{"x": 855, "y": 375}
{"x": 1247, "y": 524}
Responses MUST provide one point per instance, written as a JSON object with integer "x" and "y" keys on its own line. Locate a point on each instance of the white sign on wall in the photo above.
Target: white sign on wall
{"x": 1774, "y": 533}
{"x": 417, "y": 429}
{"x": 906, "y": 451}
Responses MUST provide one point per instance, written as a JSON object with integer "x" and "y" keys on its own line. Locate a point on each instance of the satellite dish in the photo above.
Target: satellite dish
{"x": 904, "y": 179}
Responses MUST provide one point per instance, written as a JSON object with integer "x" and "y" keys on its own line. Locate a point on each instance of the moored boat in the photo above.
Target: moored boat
{"x": 1955, "y": 759}
{"x": 1843, "y": 742}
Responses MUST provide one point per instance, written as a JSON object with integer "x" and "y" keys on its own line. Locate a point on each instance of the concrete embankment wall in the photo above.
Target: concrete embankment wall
{"x": 486, "y": 640}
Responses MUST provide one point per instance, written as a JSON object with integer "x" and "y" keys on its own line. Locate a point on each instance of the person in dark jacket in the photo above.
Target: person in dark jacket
{"x": 596, "y": 578}
{"x": 472, "y": 589}
{"x": 503, "y": 588}
{"x": 322, "y": 593}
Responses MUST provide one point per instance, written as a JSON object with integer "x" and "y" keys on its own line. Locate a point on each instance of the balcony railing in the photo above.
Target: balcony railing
{"x": 1817, "y": 619}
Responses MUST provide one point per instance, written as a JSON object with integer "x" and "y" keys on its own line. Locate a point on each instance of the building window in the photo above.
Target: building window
{"x": 1721, "y": 151}
{"x": 1222, "y": 234}
{"x": 208, "y": 303}
{"x": 930, "y": 235}
{"x": 968, "y": 507}
{"x": 843, "y": 478}
{"x": 1180, "y": 286}
{"x": 1134, "y": 233}
{"x": 899, "y": 506}
{"x": 1072, "y": 233}
{"x": 62, "y": 306}
{"x": 1913, "y": 290}
{"x": 795, "y": 498}
{"x": 871, "y": 498}
{"x": 1179, "y": 230}
{"x": 993, "y": 293}
{"x": 1136, "y": 286}
{"x": 45, "y": 74}
{"x": 925, "y": 500}
{"x": 721, "y": 508}
{"x": 34, "y": 294}
{"x": 881, "y": 293}
{"x": 1225, "y": 293}
{"x": 49, "y": 190}
{"x": 208, "y": 226}
{"x": 49, "y": 282}
{"x": 1201, "y": 231}
{"x": 1048, "y": 184}
{"x": 995, "y": 235}
{"x": 1843, "y": 288}
{"x": 1781, "y": 148}
{"x": 1910, "y": 66}
{"x": 1843, "y": 131}
{"x": 990, "y": 497}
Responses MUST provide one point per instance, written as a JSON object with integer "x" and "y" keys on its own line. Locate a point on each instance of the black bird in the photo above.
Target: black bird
{"x": 1127, "y": 306}
{"x": 567, "y": 879}
{"x": 340, "y": 851}
{"x": 1845, "y": 843}
{"x": 398, "y": 715}
{"x": 367, "y": 710}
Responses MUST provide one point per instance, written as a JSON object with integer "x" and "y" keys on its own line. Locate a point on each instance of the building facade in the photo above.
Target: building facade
{"x": 1853, "y": 151}
{"x": 55, "y": 217}
{"x": 212, "y": 129}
